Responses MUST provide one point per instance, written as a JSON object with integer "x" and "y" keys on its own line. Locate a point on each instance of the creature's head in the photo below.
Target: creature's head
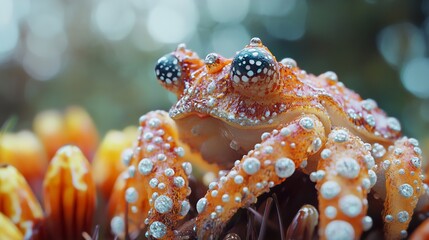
{"x": 243, "y": 90}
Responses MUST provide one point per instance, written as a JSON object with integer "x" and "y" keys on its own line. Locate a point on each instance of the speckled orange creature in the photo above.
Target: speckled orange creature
{"x": 262, "y": 120}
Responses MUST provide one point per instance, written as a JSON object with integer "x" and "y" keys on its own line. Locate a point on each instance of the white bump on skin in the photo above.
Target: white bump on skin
{"x": 117, "y": 225}
{"x": 330, "y": 189}
{"x": 369, "y": 161}
{"x": 416, "y": 162}
{"x": 330, "y": 212}
{"x": 163, "y": 204}
{"x": 393, "y": 124}
{"x": 366, "y": 223}
{"x": 131, "y": 195}
{"x": 184, "y": 208}
{"x": 406, "y": 190}
{"x": 145, "y": 166}
{"x": 158, "y": 229}
{"x": 238, "y": 179}
{"x": 326, "y": 153}
{"x": 284, "y": 167}
{"x": 251, "y": 165}
{"x": 339, "y": 230}
{"x": 347, "y": 167}
{"x": 187, "y": 166}
{"x": 378, "y": 150}
{"x": 403, "y": 216}
{"x": 340, "y": 136}
{"x": 372, "y": 177}
{"x": 306, "y": 123}
{"x": 201, "y": 205}
{"x": 350, "y": 205}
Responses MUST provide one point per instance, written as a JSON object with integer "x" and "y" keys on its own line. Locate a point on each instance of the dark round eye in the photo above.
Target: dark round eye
{"x": 252, "y": 65}
{"x": 168, "y": 69}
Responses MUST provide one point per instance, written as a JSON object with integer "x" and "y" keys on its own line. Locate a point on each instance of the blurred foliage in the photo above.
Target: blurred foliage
{"x": 101, "y": 54}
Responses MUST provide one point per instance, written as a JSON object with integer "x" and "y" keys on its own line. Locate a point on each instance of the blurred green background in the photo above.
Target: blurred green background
{"x": 100, "y": 54}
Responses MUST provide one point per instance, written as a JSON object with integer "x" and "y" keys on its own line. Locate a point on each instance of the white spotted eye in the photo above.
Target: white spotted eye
{"x": 168, "y": 69}
{"x": 252, "y": 65}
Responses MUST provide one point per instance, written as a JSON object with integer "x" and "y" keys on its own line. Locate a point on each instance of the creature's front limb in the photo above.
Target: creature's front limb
{"x": 343, "y": 183}
{"x": 401, "y": 169}
{"x": 269, "y": 164}
{"x": 156, "y": 188}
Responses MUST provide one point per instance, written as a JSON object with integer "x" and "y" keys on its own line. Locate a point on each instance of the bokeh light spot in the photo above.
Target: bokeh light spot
{"x": 172, "y": 21}
{"x": 224, "y": 11}
{"x": 114, "y": 19}
{"x": 400, "y": 43}
{"x": 226, "y": 40}
{"x": 414, "y": 76}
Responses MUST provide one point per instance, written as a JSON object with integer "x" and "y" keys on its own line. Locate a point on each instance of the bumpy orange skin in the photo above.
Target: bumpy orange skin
{"x": 262, "y": 119}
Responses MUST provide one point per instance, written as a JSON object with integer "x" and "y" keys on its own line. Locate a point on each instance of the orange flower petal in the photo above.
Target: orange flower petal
{"x": 107, "y": 164}
{"x": 24, "y": 151}
{"x": 75, "y": 126}
{"x": 69, "y": 194}
{"x": 8, "y": 230}
{"x": 17, "y": 201}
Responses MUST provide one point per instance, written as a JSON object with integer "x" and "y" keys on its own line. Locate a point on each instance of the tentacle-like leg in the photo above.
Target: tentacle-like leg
{"x": 157, "y": 187}
{"x": 401, "y": 171}
{"x": 343, "y": 184}
{"x": 270, "y": 163}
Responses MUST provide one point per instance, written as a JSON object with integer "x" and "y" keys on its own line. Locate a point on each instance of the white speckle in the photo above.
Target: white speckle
{"x": 369, "y": 161}
{"x": 161, "y": 186}
{"x": 284, "y": 167}
{"x": 184, "y": 207}
{"x": 225, "y": 198}
{"x": 219, "y": 209}
{"x": 369, "y": 104}
{"x": 201, "y": 205}
{"x": 366, "y": 223}
{"x": 347, "y": 167}
{"x": 370, "y": 120}
{"x": 306, "y": 123}
{"x": 339, "y": 230}
{"x": 330, "y": 75}
{"x": 268, "y": 150}
{"x": 406, "y": 190}
{"x": 187, "y": 167}
{"x": 154, "y": 123}
{"x": 163, "y": 204}
{"x": 330, "y": 189}
{"x": 251, "y": 165}
{"x": 147, "y": 136}
{"x": 326, "y": 153}
{"x": 238, "y": 179}
{"x": 393, "y": 124}
{"x": 366, "y": 183}
{"x": 169, "y": 172}
{"x": 131, "y": 195}
{"x": 153, "y": 182}
{"x": 145, "y": 166}
{"x": 285, "y": 132}
{"x": 158, "y": 229}
{"x": 340, "y": 136}
{"x": 317, "y": 144}
{"x": 330, "y": 212}
{"x": 388, "y": 218}
{"x": 378, "y": 150}
{"x": 214, "y": 193}
{"x": 372, "y": 177}
{"x": 414, "y": 142}
{"x": 161, "y": 157}
{"x": 180, "y": 151}
{"x": 265, "y": 135}
{"x": 117, "y": 225}
{"x": 350, "y": 205}
{"x": 386, "y": 164}
{"x": 403, "y": 216}
{"x": 179, "y": 182}
{"x": 416, "y": 162}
